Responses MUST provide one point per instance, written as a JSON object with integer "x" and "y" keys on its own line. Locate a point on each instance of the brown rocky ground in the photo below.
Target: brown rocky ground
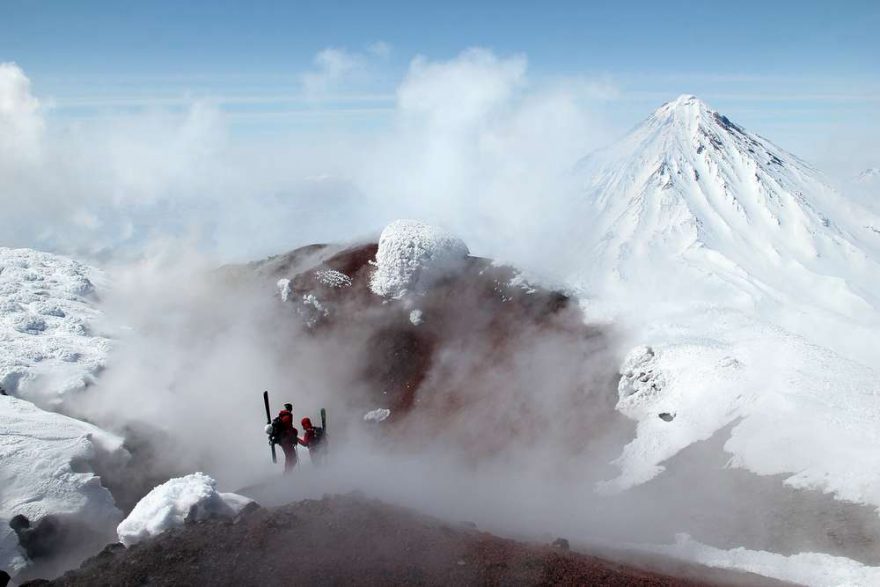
{"x": 350, "y": 540}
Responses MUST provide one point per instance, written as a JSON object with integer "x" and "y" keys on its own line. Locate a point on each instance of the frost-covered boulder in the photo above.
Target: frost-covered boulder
{"x": 413, "y": 255}
{"x": 47, "y": 343}
{"x": 175, "y": 502}
{"x": 45, "y": 468}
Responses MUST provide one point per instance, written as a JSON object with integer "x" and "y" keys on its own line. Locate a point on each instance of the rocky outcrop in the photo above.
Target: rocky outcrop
{"x": 447, "y": 347}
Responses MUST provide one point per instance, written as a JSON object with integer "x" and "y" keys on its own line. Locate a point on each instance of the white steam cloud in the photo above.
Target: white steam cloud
{"x": 21, "y": 121}
{"x": 473, "y": 145}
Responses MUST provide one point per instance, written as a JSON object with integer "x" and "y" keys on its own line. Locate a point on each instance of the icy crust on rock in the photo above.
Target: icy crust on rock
{"x": 640, "y": 379}
{"x": 333, "y": 278}
{"x": 46, "y": 323}
{"x": 44, "y": 469}
{"x": 283, "y": 289}
{"x": 377, "y": 415}
{"x": 312, "y": 310}
{"x": 175, "y": 502}
{"x": 413, "y": 255}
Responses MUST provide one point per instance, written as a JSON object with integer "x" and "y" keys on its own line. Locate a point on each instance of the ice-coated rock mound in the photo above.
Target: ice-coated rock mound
{"x": 180, "y": 500}
{"x": 45, "y": 469}
{"x": 413, "y": 255}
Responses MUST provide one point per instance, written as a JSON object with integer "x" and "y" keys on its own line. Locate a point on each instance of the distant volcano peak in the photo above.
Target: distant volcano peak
{"x": 690, "y": 115}
{"x": 683, "y": 102}
{"x": 691, "y": 188}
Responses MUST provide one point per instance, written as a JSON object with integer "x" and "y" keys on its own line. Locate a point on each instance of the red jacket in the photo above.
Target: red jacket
{"x": 308, "y": 432}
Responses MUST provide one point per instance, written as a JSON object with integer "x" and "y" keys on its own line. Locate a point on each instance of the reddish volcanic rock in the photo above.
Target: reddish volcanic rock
{"x": 354, "y": 541}
{"x": 474, "y": 359}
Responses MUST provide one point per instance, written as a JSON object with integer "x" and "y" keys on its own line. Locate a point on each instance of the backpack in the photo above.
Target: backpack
{"x": 277, "y": 430}
{"x": 319, "y": 435}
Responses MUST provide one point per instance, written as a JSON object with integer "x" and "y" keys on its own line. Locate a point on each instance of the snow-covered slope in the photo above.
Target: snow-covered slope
{"x": 866, "y": 187}
{"x": 47, "y": 341}
{"x": 44, "y": 469}
{"x": 757, "y": 287}
{"x": 691, "y": 197}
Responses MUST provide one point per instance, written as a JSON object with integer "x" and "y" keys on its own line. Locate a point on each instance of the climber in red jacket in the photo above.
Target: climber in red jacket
{"x": 314, "y": 439}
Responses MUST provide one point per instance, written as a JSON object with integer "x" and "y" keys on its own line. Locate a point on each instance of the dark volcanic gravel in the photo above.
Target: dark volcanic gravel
{"x": 352, "y": 540}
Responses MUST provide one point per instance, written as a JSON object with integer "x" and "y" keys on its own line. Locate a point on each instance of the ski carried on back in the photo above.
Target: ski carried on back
{"x": 324, "y": 420}
{"x": 269, "y": 423}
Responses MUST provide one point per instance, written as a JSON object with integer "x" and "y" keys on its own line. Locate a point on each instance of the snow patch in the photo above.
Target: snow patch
{"x": 415, "y": 317}
{"x": 520, "y": 281}
{"x": 412, "y": 256}
{"x": 175, "y": 502}
{"x": 807, "y": 568}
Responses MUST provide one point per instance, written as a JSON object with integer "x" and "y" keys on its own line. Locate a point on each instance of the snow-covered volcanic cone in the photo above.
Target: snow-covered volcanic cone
{"x": 690, "y": 198}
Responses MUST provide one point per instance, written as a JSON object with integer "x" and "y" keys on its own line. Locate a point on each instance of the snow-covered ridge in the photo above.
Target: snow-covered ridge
{"x": 44, "y": 470}
{"x": 48, "y": 346}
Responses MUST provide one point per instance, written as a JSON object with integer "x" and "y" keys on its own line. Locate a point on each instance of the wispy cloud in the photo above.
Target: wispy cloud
{"x": 335, "y": 69}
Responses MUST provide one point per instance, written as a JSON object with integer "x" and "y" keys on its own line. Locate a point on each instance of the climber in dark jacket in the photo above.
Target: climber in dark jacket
{"x": 285, "y": 435}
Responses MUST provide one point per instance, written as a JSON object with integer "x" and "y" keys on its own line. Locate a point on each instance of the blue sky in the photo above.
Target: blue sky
{"x": 791, "y": 70}
{"x": 222, "y": 37}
